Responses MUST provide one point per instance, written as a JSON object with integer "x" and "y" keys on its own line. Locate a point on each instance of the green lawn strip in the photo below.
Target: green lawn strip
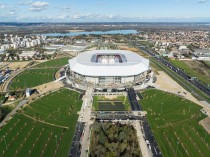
{"x": 178, "y": 115}
{"x": 8, "y": 132}
{"x": 185, "y": 138}
{"x": 121, "y": 103}
{"x": 54, "y": 63}
{"x": 32, "y": 78}
{"x": 95, "y": 103}
{"x": 35, "y": 77}
{"x": 207, "y": 63}
{"x": 49, "y": 110}
{"x": 161, "y": 141}
{"x": 189, "y": 87}
{"x": 173, "y": 139}
{"x": 30, "y": 141}
{"x": 19, "y": 139}
{"x": 190, "y": 71}
{"x": 43, "y": 135}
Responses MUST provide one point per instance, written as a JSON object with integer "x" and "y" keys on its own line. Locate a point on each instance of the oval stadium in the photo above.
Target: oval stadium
{"x": 107, "y": 68}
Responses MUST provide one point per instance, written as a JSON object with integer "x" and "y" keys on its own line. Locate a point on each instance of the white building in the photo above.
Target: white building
{"x": 27, "y": 54}
{"x": 108, "y": 68}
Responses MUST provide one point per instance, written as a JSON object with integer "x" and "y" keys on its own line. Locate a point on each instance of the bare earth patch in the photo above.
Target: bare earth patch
{"x": 15, "y": 65}
{"x": 164, "y": 82}
{"x": 198, "y": 66}
{"x": 49, "y": 87}
{"x": 206, "y": 124}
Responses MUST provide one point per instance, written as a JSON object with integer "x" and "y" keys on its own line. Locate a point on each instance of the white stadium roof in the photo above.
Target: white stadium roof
{"x": 132, "y": 64}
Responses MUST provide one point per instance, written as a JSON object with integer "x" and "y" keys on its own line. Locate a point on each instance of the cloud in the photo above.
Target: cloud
{"x": 92, "y": 16}
{"x": 66, "y": 9}
{"x": 38, "y": 6}
{"x": 202, "y": 1}
{"x": 2, "y": 6}
{"x": 28, "y": 2}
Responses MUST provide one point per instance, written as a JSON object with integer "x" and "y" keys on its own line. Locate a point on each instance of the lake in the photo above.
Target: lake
{"x": 92, "y": 32}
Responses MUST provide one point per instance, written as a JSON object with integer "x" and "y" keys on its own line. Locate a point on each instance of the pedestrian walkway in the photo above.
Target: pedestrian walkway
{"x": 142, "y": 143}
{"x": 13, "y": 112}
{"x": 85, "y": 116}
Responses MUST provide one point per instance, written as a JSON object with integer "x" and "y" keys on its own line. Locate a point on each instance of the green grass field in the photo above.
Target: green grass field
{"x": 54, "y": 63}
{"x": 32, "y": 78}
{"x": 35, "y": 77}
{"x": 121, "y": 103}
{"x": 207, "y": 63}
{"x": 196, "y": 69}
{"x": 46, "y": 132}
{"x": 174, "y": 122}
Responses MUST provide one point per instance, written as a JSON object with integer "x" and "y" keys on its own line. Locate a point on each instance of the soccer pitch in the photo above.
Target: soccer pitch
{"x": 44, "y": 128}
{"x": 174, "y": 122}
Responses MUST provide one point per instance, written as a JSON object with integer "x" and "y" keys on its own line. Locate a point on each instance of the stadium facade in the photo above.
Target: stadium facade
{"x": 108, "y": 68}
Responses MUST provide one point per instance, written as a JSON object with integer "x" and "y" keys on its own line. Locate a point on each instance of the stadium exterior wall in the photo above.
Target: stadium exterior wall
{"x": 83, "y": 71}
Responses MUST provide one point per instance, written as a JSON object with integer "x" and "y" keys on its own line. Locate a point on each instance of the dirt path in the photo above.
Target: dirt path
{"x": 165, "y": 83}
{"x": 59, "y": 126}
{"x": 173, "y": 124}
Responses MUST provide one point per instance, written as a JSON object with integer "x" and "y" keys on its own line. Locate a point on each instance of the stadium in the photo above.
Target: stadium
{"x": 108, "y": 68}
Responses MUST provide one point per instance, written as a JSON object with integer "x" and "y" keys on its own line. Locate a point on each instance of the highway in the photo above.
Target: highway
{"x": 180, "y": 72}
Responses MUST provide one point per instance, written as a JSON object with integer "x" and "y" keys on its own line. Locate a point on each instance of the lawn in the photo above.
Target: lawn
{"x": 54, "y": 63}
{"x": 174, "y": 122}
{"x": 35, "y": 77}
{"x": 25, "y": 136}
{"x": 194, "y": 69}
{"x": 207, "y": 63}
{"x": 120, "y": 103}
{"x": 32, "y": 78}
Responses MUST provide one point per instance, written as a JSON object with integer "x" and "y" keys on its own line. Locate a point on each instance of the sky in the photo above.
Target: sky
{"x": 105, "y": 11}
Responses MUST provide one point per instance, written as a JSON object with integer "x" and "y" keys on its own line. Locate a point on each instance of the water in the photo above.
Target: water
{"x": 124, "y": 32}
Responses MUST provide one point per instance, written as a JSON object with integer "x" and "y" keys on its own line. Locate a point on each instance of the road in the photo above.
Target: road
{"x": 195, "y": 83}
{"x": 76, "y": 146}
{"x": 150, "y": 137}
{"x": 133, "y": 101}
{"x": 13, "y": 112}
{"x": 6, "y": 84}
{"x": 142, "y": 143}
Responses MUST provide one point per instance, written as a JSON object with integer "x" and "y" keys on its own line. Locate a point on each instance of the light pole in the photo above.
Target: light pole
{"x": 59, "y": 113}
{"x": 177, "y": 147}
{"x": 5, "y": 142}
{"x": 161, "y": 108}
{"x": 205, "y": 137}
{"x": 56, "y": 139}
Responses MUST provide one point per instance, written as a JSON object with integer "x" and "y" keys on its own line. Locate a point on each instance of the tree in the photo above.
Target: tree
{"x": 1, "y": 114}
